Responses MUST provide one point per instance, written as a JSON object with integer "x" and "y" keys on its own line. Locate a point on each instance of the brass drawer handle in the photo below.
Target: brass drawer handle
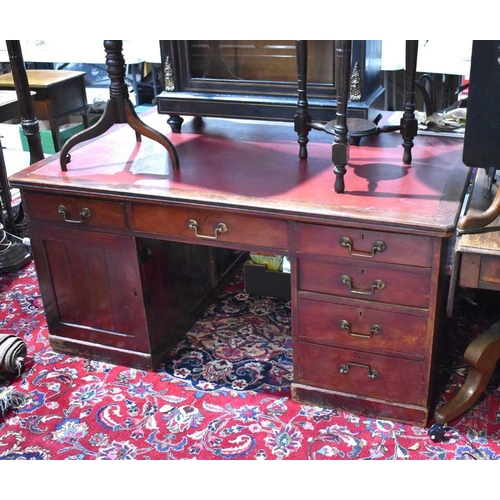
{"x": 85, "y": 213}
{"x": 220, "y": 228}
{"x": 376, "y": 285}
{"x": 374, "y": 330}
{"x": 378, "y": 246}
{"x": 373, "y": 374}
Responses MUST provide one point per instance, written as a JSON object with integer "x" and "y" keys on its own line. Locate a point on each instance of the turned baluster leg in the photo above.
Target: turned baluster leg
{"x": 340, "y": 146}
{"x": 409, "y": 123}
{"x": 302, "y": 118}
{"x": 118, "y": 109}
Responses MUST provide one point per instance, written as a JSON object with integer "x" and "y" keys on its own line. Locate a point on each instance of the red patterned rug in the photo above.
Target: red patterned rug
{"x": 223, "y": 394}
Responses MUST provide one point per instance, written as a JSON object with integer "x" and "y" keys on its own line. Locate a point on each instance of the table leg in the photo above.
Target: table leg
{"x": 119, "y": 109}
{"x": 302, "y": 119}
{"x": 482, "y": 356}
{"x": 409, "y": 124}
{"x": 56, "y": 136}
{"x": 340, "y": 146}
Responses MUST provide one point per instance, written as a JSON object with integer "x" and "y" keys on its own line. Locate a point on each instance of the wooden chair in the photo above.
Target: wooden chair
{"x": 476, "y": 261}
{"x": 476, "y": 265}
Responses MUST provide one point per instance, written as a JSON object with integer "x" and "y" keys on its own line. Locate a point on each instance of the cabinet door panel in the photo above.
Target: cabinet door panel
{"x": 91, "y": 286}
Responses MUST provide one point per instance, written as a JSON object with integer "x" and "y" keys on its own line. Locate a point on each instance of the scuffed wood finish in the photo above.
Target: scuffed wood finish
{"x": 401, "y": 285}
{"x": 255, "y": 167}
{"x": 240, "y": 230}
{"x": 394, "y": 248}
{"x": 86, "y": 280}
{"x": 395, "y": 380}
{"x": 125, "y": 283}
{"x": 354, "y": 325}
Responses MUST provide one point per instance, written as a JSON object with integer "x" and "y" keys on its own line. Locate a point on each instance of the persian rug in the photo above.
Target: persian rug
{"x": 224, "y": 393}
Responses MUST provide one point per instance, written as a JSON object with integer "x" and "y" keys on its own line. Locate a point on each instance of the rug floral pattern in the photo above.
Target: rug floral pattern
{"x": 223, "y": 394}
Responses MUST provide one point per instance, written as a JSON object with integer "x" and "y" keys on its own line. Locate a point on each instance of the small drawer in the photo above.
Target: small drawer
{"x": 355, "y": 372}
{"x": 361, "y": 244}
{"x": 364, "y": 328}
{"x": 203, "y": 226}
{"x": 377, "y": 282}
{"x": 75, "y": 211}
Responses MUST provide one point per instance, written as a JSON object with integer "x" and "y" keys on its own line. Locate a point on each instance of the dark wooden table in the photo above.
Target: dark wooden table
{"x": 59, "y": 93}
{"x": 122, "y": 248}
{"x": 8, "y": 105}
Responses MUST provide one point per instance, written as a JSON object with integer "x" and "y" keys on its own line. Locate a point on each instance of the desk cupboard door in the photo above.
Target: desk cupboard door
{"x": 91, "y": 290}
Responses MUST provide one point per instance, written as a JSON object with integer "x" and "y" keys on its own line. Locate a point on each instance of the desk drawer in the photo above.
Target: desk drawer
{"x": 360, "y": 244}
{"x": 372, "y": 281}
{"x": 364, "y": 374}
{"x": 363, "y": 328}
{"x": 75, "y": 211}
{"x": 203, "y": 226}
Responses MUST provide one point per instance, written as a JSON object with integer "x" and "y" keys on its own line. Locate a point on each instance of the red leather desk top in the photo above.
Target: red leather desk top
{"x": 253, "y": 165}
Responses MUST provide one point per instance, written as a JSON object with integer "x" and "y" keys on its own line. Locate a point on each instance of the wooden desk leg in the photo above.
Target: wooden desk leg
{"x": 482, "y": 356}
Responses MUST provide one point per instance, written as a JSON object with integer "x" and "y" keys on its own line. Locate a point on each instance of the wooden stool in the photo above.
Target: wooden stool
{"x": 59, "y": 93}
{"x": 476, "y": 265}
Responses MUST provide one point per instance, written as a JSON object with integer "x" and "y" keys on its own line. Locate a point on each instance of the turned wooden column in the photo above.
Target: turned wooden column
{"x": 409, "y": 124}
{"x": 29, "y": 122}
{"x": 118, "y": 109}
{"x": 302, "y": 119}
{"x": 340, "y": 146}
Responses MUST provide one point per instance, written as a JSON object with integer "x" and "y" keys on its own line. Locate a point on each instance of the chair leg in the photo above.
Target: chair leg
{"x": 472, "y": 222}
{"x": 482, "y": 356}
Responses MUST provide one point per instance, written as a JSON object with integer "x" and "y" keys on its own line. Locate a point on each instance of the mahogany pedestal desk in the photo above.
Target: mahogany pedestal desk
{"x": 120, "y": 242}
{"x": 58, "y": 94}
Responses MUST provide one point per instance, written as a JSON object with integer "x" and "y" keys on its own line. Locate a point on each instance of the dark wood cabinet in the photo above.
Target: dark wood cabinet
{"x": 257, "y": 79}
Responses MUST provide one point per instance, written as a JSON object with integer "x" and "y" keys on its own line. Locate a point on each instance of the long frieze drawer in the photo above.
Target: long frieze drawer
{"x": 364, "y": 374}
{"x": 387, "y": 283}
{"x": 206, "y": 225}
{"x": 75, "y": 211}
{"x": 361, "y": 327}
{"x": 361, "y": 244}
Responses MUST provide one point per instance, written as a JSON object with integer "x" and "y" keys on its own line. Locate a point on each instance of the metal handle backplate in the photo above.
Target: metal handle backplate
{"x": 378, "y": 246}
{"x": 220, "y": 228}
{"x": 85, "y": 213}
